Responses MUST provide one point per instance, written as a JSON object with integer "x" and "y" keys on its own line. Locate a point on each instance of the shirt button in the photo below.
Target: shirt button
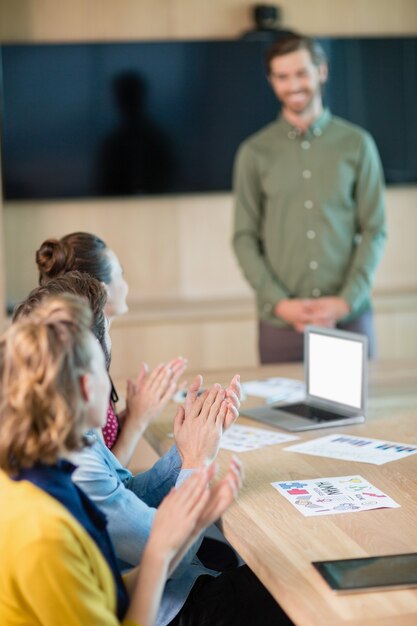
{"x": 267, "y": 307}
{"x": 306, "y": 174}
{"x": 317, "y": 132}
{"x": 313, "y": 265}
{"x": 305, "y": 145}
{"x": 316, "y": 293}
{"x": 292, "y": 134}
{"x": 311, "y": 234}
{"x": 308, "y": 204}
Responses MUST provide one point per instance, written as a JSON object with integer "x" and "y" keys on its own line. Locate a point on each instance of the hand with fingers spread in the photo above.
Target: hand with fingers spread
{"x": 189, "y": 509}
{"x": 146, "y": 397}
{"x": 192, "y": 393}
{"x": 233, "y": 398}
{"x": 216, "y": 500}
{"x": 177, "y": 516}
{"x": 181, "y": 517}
{"x": 221, "y": 495}
{"x": 198, "y": 426}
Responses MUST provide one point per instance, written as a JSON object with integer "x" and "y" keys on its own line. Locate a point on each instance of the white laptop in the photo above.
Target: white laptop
{"x": 335, "y": 370}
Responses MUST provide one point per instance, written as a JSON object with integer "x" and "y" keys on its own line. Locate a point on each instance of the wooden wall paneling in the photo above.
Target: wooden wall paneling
{"x": 75, "y": 20}
{"x": 78, "y": 20}
{"x": 361, "y": 17}
{"x": 146, "y": 237}
{"x": 229, "y": 341}
{"x": 144, "y": 234}
{"x": 207, "y": 264}
{"x": 397, "y": 270}
{"x": 178, "y": 247}
{"x": 397, "y": 334}
{"x": 215, "y": 19}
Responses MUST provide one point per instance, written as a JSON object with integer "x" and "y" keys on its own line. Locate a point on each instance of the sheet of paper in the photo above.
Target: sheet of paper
{"x": 243, "y": 438}
{"x": 276, "y": 390}
{"x": 360, "y": 449}
{"x": 330, "y": 496}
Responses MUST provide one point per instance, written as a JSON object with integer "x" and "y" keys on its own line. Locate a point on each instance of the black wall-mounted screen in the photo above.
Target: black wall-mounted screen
{"x": 91, "y": 120}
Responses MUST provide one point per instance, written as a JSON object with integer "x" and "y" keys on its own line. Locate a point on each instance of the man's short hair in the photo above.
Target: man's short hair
{"x": 293, "y": 43}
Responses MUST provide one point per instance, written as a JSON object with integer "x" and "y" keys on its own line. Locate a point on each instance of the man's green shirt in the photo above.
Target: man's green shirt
{"x": 309, "y": 217}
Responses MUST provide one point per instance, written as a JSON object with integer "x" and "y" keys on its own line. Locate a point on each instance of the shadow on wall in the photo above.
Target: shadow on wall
{"x": 135, "y": 157}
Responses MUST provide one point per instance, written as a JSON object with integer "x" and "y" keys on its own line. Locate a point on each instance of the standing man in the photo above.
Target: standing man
{"x": 309, "y": 223}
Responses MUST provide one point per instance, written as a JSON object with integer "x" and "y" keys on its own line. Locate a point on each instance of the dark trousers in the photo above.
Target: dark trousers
{"x": 280, "y": 345}
{"x": 217, "y": 555}
{"x": 235, "y": 598}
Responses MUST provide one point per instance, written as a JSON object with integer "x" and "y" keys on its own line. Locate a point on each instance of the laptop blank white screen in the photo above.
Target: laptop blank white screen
{"x": 335, "y": 369}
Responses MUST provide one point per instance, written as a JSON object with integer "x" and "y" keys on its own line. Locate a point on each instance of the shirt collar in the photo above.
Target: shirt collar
{"x": 315, "y": 129}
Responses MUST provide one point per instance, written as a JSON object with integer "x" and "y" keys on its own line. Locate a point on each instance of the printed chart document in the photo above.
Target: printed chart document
{"x": 348, "y": 448}
{"x": 276, "y": 390}
{"x": 243, "y": 438}
{"x": 329, "y": 496}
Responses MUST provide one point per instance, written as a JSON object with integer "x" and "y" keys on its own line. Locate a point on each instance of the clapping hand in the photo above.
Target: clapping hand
{"x": 233, "y": 397}
{"x": 189, "y": 509}
{"x": 199, "y": 424}
{"x": 148, "y": 395}
{"x": 182, "y": 516}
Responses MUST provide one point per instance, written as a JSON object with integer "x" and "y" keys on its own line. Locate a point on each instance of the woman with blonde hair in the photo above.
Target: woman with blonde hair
{"x": 58, "y": 564}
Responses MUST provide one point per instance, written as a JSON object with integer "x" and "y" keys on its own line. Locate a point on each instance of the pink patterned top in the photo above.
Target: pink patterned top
{"x": 111, "y": 429}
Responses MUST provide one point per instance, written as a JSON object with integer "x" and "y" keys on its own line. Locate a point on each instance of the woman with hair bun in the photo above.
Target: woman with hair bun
{"x": 85, "y": 252}
{"x": 57, "y": 561}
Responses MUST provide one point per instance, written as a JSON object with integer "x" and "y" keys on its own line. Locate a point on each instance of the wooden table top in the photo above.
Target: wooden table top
{"x": 279, "y": 543}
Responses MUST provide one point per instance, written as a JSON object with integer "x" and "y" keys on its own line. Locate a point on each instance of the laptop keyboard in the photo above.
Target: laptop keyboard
{"x": 310, "y": 412}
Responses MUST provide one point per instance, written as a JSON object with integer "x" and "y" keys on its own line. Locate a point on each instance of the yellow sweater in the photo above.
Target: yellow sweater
{"x": 51, "y": 571}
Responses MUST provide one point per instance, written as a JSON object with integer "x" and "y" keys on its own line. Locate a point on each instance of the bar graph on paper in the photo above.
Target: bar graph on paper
{"x": 358, "y": 449}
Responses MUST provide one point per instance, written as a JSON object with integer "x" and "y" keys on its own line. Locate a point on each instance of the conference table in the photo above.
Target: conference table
{"x": 279, "y": 544}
